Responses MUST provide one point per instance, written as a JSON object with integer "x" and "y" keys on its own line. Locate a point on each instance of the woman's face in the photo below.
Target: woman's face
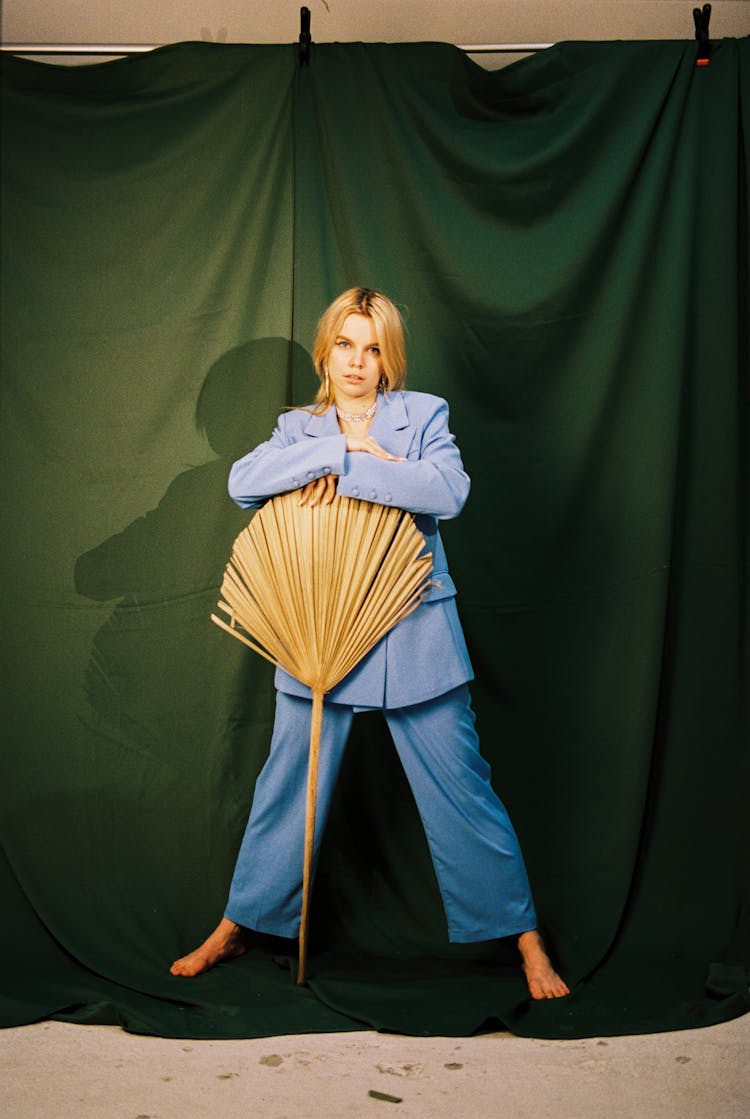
{"x": 354, "y": 364}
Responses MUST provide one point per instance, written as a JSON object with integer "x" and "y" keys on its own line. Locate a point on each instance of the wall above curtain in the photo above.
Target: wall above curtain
{"x": 388, "y": 21}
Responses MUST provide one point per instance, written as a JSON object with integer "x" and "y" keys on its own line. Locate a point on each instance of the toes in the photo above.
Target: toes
{"x": 547, "y": 987}
{"x": 187, "y": 966}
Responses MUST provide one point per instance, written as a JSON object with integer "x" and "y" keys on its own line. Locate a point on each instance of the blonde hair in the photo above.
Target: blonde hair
{"x": 390, "y": 331}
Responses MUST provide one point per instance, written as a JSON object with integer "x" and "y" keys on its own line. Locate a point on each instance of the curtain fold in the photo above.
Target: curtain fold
{"x": 568, "y": 240}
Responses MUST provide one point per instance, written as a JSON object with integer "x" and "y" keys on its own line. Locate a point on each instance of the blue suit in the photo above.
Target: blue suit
{"x": 424, "y": 696}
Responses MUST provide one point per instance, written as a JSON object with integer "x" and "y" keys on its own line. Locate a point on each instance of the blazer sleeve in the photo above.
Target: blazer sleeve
{"x": 432, "y": 480}
{"x": 284, "y": 462}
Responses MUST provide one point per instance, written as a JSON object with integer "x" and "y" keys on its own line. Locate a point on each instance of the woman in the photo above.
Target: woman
{"x": 365, "y": 437}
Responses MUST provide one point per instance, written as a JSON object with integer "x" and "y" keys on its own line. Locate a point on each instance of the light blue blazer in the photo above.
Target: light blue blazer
{"x": 425, "y": 655}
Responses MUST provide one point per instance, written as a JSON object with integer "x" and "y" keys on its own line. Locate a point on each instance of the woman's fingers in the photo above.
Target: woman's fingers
{"x": 306, "y": 493}
{"x": 370, "y": 446}
{"x": 329, "y": 491}
{"x": 321, "y": 491}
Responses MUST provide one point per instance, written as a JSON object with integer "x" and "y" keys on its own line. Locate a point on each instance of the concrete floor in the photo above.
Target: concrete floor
{"x": 54, "y": 1070}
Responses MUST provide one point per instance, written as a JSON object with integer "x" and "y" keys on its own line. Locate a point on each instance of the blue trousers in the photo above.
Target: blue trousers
{"x": 474, "y": 849}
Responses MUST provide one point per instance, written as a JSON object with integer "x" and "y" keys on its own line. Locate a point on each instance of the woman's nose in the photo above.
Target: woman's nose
{"x": 356, "y": 360}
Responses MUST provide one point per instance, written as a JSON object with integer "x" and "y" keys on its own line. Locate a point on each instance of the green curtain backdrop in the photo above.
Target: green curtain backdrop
{"x": 568, "y": 239}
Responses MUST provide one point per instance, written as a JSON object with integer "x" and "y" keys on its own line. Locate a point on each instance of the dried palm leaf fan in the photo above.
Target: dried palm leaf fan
{"x": 313, "y": 590}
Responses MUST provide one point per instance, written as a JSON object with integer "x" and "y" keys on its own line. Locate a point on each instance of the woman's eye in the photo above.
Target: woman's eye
{"x": 375, "y": 350}
{"x": 342, "y": 343}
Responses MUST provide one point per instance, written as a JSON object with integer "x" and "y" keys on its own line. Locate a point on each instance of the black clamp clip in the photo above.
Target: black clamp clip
{"x": 702, "y": 18}
{"x": 305, "y": 39}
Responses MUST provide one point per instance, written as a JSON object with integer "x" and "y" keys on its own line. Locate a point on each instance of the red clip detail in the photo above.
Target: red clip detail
{"x": 702, "y": 61}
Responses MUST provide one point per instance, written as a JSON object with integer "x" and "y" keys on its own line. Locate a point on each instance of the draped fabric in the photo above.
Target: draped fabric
{"x": 568, "y": 239}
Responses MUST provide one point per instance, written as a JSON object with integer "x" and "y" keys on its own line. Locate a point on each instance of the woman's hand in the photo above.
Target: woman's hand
{"x": 370, "y": 446}
{"x": 321, "y": 491}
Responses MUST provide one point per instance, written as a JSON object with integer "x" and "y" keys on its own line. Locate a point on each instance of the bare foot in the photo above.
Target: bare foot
{"x": 225, "y": 942}
{"x": 542, "y": 979}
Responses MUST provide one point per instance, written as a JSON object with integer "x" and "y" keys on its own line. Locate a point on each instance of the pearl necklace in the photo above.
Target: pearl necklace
{"x": 357, "y": 417}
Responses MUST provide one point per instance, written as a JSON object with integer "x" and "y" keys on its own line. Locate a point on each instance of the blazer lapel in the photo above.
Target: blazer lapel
{"x": 322, "y": 423}
{"x": 391, "y": 425}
